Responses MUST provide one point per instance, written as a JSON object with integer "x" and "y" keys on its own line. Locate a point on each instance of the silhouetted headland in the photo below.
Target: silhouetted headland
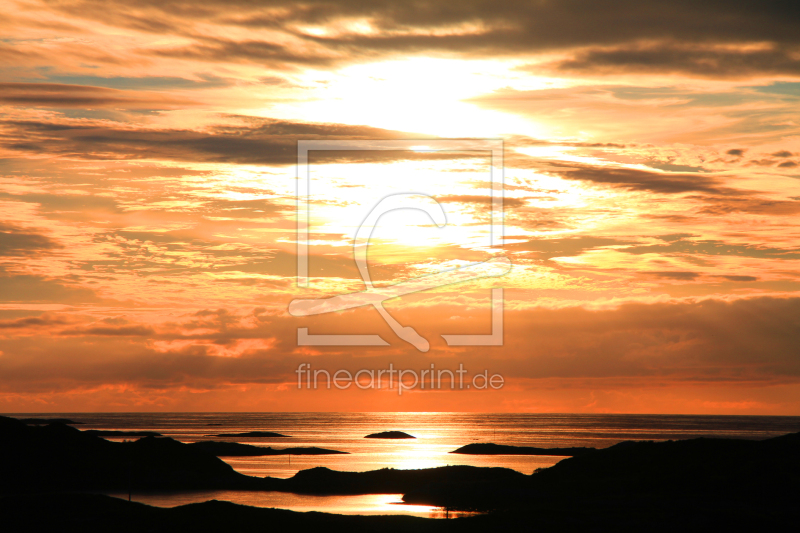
{"x": 321, "y": 480}
{"x": 390, "y": 435}
{"x": 700, "y": 473}
{"x": 40, "y": 421}
{"x": 235, "y": 449}
{"x": 114, "y": 433}
{"x": 59, "y": 457}
{"x": 480, "y": 448}
{"x": 264, "y": 434}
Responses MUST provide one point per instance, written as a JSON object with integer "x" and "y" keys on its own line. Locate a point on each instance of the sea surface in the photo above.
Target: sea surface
{"x": 436, "y": 434}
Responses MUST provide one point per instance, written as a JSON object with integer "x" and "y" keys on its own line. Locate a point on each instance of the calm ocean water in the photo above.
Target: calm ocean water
{"x": 436, "y": 435}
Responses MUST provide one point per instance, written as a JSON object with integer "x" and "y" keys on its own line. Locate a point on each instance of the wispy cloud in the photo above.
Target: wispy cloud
{"x": 148, "y": 198}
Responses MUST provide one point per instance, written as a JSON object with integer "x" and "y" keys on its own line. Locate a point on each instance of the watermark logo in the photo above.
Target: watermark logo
{"x": 396, "y": 378}
{"x": 376, "y": 296}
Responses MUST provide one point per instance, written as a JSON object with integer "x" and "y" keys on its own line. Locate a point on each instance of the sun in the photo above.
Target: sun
{"x": 418, "y": 95}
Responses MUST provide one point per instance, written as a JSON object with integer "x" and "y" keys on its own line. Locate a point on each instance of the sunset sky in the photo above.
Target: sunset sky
{"x": 148, "y": 158}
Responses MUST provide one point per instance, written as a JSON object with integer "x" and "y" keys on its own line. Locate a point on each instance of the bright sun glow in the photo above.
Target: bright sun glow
{"x": 422, "y": 95}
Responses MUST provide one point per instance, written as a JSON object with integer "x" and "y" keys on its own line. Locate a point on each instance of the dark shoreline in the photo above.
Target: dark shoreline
{"x": 697, "y": 484}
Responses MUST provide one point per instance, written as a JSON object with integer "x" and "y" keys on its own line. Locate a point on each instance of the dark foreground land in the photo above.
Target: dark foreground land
{"x": 693, "y": 485}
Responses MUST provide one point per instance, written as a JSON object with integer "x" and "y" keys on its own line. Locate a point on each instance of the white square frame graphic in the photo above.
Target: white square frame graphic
{"x": 496, "y": 179}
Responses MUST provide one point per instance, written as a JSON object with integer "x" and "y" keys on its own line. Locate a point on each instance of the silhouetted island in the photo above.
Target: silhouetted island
{"x": 265, "y": 434}
{"x": 40, "y": 421}
{"x": 115, "y": 433}
{"x": 235, "y": 449}
{"x": 502, "y": 449}
{"x": 390, "y": 435}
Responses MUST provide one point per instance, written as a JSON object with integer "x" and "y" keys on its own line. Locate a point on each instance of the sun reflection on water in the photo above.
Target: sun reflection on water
{"x": 364, "y": 504}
